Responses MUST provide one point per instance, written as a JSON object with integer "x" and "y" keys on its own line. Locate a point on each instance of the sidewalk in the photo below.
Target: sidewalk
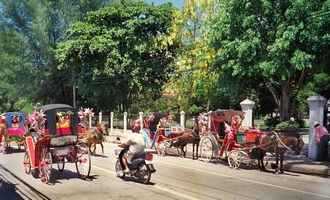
{"x": 301, "y": 164}
{"x": 292, "y": 163}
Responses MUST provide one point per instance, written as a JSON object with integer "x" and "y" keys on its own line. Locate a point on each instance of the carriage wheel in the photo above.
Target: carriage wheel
{"x": 27, "y": 163}
{"x": 45, "y": 166}
{"x": 61, "y": 164}
{"x": 161, "y": 148}
{"x": 83, "y": 160}
{"x": 206, "y": 149}
{"x": 233, "y": 159}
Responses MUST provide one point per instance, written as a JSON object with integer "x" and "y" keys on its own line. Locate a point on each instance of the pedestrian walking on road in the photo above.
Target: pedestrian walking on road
{"x": 322, "y": 138}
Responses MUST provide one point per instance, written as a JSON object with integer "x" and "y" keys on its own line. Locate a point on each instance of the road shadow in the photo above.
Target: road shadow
{"x": 4, "y": 189}
{"x": 135, "y": 180}
{"x": 59, "y": 176}
{"x": 8, "y": 191}
{"x": 10, "y": 150}
{"x": 99, "y": 155}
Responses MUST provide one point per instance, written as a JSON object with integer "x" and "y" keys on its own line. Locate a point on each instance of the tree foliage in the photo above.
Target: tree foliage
{"x": 280, "y": 42}
{"x": 35, "y": 28}
{"x": 120, "y": 52}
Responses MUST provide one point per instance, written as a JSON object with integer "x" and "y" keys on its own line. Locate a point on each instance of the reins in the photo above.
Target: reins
{"x": 281, "y": 142}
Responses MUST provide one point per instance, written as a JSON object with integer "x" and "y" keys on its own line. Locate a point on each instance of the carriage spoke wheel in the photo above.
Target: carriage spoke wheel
{"x": 162, "y": 147}
{"x": 27, "y": 163}
{"x": 234, "y": 159}
{"x": 206, "y": 149}
{"x": 45, "y": 166}
{"x": 61, "y": 164}
{"x": 83, "y": 160}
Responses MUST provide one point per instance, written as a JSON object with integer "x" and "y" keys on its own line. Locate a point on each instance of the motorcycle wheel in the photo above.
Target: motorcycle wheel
{"x": 144, "y": 173}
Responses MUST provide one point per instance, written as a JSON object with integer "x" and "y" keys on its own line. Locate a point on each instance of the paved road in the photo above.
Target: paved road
{"x": 176, "y": 178}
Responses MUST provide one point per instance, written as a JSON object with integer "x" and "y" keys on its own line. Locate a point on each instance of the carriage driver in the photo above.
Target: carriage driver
{"x": 135, "y": 144}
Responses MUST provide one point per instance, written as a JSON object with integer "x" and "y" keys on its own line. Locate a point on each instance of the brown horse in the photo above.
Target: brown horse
{"x": 93, "y": 137}
{"x": 189, "y": 136}
{"x": 278, "y": 145}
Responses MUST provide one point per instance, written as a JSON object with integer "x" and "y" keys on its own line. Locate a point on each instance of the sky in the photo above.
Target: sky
{"x": 177, "y": 3}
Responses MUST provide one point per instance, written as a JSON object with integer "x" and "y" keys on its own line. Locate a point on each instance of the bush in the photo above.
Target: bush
{"x": 287, "y": 125}
{"x": 271, "y": 122}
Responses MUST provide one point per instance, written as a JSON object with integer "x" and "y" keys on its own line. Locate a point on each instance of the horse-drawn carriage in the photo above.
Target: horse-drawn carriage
{"x": 224, "y": 141}
{"x": 53, "y": 139}
{"x": 13, "y": 128}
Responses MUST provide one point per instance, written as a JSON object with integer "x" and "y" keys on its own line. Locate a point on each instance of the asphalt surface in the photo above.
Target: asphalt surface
{"x": 176, "y": 178}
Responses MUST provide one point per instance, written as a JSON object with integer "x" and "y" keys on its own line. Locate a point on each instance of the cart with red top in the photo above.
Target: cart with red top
{"x": 166, "y": 136}
{"x": 222, "y": 137}
{"x": 55, "y": 141}
{"x": 14, "y": 123}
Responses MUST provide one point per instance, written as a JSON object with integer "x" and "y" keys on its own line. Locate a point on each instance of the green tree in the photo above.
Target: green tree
{"x": 40, "y": 25}
{"x": 280, "y": 42}
{"x": 120, "y": 52}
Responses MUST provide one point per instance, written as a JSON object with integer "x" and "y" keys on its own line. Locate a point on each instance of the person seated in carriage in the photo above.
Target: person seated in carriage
{"x": 230, "y": 139}
{"x": 170, "y": 125}
{"x": 15, "y": 121}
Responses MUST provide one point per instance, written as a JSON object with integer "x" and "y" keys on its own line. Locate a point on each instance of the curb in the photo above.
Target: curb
{"x": 310, "y": 169}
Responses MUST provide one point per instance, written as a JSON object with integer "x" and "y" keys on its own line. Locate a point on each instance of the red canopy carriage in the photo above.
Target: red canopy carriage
{"x": 216, "y": 142}
{"x": 55, "y": 141}
{"x": 14, "y": 124}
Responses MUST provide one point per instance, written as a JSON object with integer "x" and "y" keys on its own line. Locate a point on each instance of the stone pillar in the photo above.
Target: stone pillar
{"x": 316, "y": 112}
{"x": 247, "y": 107}
{"x": 182, "y": 119}
{"x": 125, "y": 122}
{"x": 141, "y": 120}
{"x": 90, "y": 121}
{"x": 100, "y": 117}
{"x": 111, "y": 122}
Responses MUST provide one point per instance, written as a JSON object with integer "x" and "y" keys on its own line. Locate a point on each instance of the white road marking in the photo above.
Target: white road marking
{"x": 251, "y": 181}
{"x": 156, "y": 186}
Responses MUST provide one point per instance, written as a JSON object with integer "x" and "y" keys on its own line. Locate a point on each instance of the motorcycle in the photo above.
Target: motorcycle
{"x": 141, "y": 166}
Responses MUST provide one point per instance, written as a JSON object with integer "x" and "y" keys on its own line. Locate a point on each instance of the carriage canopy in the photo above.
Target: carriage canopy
{"x": 61, "y": 119}
{"x": 15, "y": 119}
{"x": 227, "y": 114}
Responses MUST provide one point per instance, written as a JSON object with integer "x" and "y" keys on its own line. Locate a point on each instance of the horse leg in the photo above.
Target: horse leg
{"x": 182, "y": 150}
{"x": 94, "y": 151}
{"x": 89, "y": 147}
{"x": 281, "y": 163}
{"x": 277, "y": 159}
{"x": 197, "y": 147}
{"x": 193, "y": 153}
{"x": 102, "y": 147}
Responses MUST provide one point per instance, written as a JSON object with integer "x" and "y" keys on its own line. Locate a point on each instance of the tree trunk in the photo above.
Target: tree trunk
{"x": 285, "y": 101}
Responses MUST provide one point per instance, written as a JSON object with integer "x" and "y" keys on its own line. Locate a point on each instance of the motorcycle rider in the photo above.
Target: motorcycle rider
{"x": 135, "y": 145}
